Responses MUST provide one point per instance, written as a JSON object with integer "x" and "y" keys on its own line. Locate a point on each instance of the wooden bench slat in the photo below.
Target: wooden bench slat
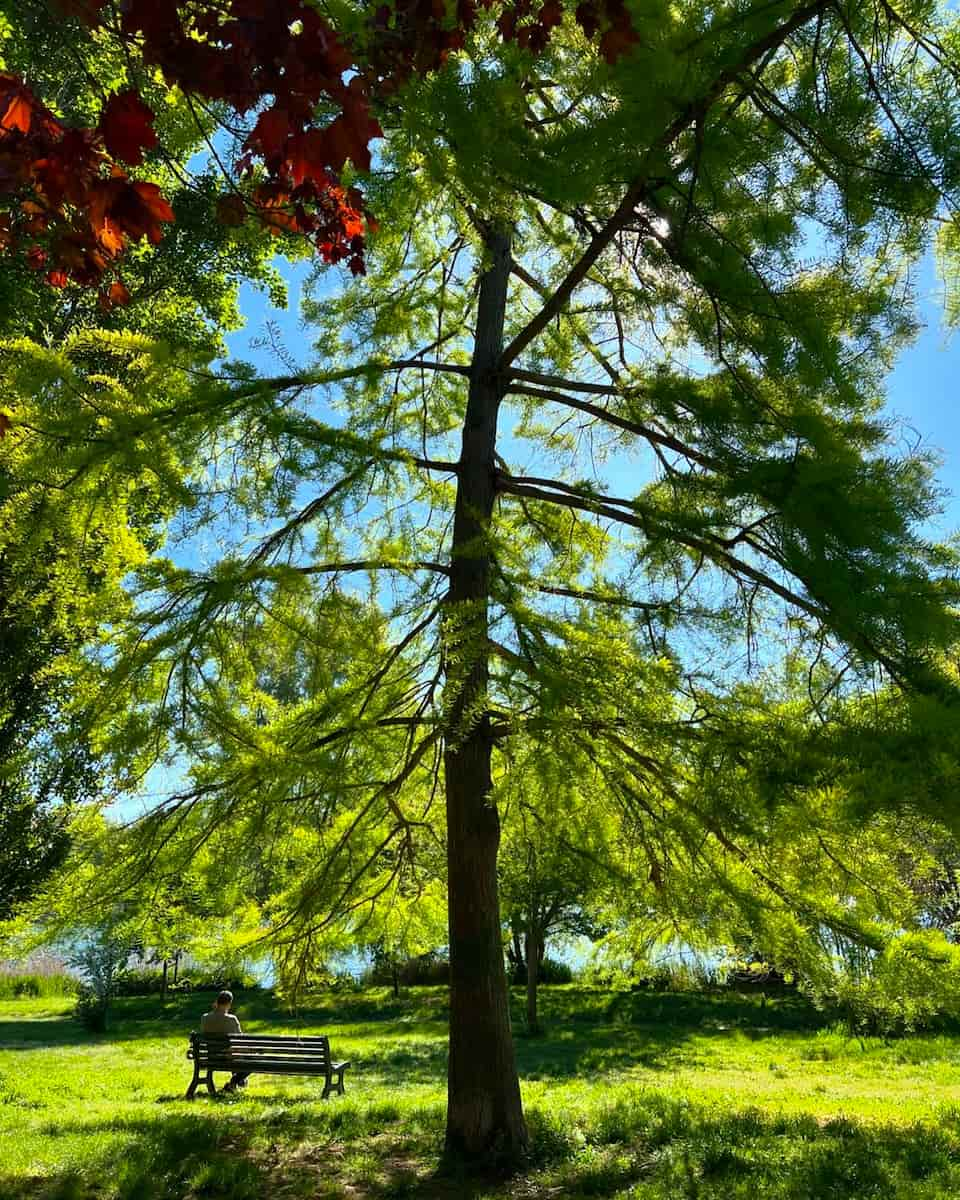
{"x": 242, "y": 1066}
{"x": 245, "y": 1038}
{"x": 294, "y": 1052}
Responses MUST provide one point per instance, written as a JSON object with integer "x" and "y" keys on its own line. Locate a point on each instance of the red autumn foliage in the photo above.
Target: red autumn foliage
{"x": 127, "y": 128}
{"x": 113, "y": 296}
{"x": 70, "y": 206}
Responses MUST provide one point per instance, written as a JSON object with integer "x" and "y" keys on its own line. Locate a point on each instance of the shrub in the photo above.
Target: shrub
{"x": 91, "y": 1009}
{"x": 424, "y": 970}
{"x": 35, "y": 985}
{"x": 216, "y": 979}
{"x": 140, "y": 981}
{"x": 552, "y": 970}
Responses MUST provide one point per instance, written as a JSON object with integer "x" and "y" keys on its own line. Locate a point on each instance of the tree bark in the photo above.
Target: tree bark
{"x": 484, "y": 1112}
{"x": 163, "y": 981}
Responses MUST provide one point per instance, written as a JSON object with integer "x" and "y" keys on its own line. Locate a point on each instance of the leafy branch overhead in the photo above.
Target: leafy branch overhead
{"x": 308, "y": 89}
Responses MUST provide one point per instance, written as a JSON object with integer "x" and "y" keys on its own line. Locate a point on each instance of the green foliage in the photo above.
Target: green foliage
{"x": 91, "y": 1009}
{"x": 54, "y": 604}
{"x": 553, "y": 971}
{"x": 425, "y": 970}
{"x": 99, "y": 954}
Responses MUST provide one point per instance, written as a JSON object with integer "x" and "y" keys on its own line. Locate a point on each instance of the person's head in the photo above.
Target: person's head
{"x": 224, "y": 1000}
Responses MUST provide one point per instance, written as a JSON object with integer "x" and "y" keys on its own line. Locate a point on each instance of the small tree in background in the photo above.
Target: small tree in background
{"x": 99, "y": 953}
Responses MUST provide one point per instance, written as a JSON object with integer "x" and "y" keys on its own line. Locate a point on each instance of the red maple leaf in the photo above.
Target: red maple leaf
{"x": 139, "y": 208}
{"x": 115, "y": 296}
{"x": 87, "y": 11}
{"x": 616, "y": 42}
{"x": 588, "y": 17}
{"x": 269, "y": 136}
{"x": 17, "y": 104}
{"x": 551, "y": 14}
{"x": 126, "y": 125}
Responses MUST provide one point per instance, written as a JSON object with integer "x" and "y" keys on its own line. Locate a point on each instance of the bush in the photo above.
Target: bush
{"x": 679, "y": 977}
{"x": 425, "y": 970}
{"x": 91, "y": 1009}
{"x": 140, "y": 981}
{"x": 216, "y": 980}
{"x": 552, "y": 970}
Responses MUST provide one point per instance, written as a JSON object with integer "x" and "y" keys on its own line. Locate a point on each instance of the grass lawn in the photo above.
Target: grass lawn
{"x": 650, "y": 1096}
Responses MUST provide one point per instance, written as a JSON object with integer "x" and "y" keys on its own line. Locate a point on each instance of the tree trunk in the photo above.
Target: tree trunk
{"x": 176, "y": 967}
{"x": 516, "y": 956}
{"x": 396, "y": 980}
{"x": 484, "y": 1113}
{"x": 163, "y": 982}
{"x": 534, "y": 954}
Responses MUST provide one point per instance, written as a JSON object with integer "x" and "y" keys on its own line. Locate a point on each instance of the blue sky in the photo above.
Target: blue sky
{"x": 921, "y": 391}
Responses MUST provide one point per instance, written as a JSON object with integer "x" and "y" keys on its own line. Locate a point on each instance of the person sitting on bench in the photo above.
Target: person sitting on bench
{"x": 221, "y": 1020}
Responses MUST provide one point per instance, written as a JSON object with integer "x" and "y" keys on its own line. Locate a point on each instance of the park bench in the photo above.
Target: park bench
{"x": 250, "y": 1054}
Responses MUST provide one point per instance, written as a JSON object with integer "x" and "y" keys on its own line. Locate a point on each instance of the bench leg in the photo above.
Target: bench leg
{"x": 210, "y": 1085}
{"x": 330, "y": 1085}
{"x": 193, "y": 1082}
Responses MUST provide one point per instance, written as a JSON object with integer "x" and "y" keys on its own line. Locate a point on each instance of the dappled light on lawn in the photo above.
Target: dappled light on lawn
{"x": 630, "y": 1094}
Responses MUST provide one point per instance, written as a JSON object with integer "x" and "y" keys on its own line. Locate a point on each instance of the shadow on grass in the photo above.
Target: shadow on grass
{"x": 139, "y": 1018}
{"x": 381, "y": 1152}
{"x": 666, "y": 1018}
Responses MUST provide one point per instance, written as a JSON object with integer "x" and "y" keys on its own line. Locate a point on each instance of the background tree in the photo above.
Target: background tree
{"x": 559, "y": 859}
{"x": 184, "y": 294}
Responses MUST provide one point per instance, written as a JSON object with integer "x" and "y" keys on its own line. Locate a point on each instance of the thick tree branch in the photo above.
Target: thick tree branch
{"x": 569, "y": 385}
{"x": 654, "y": 436}
{"x": 604, "y": 507}
{"x": 606, "y": 598}
{"x": 372, "y": 564}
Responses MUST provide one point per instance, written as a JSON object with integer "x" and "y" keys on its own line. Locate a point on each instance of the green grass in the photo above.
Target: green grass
{"x": 628, "y": 1095}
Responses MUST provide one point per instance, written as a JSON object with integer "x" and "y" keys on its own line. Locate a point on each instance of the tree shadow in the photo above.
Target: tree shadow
{"x": 673, "y": 1149}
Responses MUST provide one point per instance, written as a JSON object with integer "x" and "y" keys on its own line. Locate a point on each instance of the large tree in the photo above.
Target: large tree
{"x": 610, "y": 389}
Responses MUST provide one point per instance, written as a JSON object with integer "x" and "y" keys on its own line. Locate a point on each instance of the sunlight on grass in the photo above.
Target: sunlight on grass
{"x": 639, "y": 1095}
